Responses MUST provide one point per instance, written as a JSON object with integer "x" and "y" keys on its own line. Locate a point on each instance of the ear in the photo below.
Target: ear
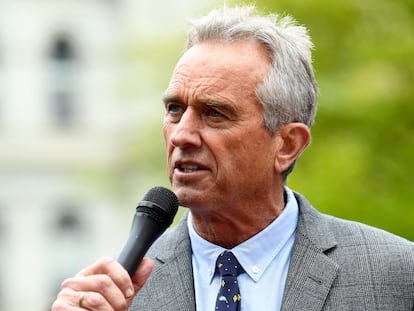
{"x": 292, "y": 139}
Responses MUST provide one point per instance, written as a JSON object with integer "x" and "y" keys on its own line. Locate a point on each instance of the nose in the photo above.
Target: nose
{"x": 186, "y": 132}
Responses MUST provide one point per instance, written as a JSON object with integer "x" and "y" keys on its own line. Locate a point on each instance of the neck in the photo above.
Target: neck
{"x": 228, "y": 226}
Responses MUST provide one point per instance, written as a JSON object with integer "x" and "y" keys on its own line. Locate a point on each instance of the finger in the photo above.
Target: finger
{"x": 142, "y": 274}
{"x": 108, "y": 266}
{"x": 96, "y": 302}
{"x": 99, "y": 291}
{"x": 70, "y": 300}
{"x": 67, "y": 299}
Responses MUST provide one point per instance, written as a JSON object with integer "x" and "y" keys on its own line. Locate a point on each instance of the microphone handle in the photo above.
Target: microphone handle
{"x": 144, "y": 231}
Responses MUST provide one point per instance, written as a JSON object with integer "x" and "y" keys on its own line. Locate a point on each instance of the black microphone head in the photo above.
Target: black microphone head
{"x": 161, "y": 204}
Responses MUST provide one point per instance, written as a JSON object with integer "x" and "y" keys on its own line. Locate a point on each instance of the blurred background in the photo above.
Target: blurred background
{"x": 81, "y": 112}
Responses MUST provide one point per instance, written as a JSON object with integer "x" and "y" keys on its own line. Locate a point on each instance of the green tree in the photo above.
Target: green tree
{"x": 360, "y": 163}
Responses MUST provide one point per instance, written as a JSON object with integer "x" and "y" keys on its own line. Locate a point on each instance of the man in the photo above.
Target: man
{"x": 239, "y": 108}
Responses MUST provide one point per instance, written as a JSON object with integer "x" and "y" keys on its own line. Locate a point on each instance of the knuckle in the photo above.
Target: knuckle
{"x": 104, "y": 282}
{"x": 100, "y": 266}
{"x": 67, "y": 283}
{"x": 95, "y": 301}
{"x": 122, "y": 305}
{"x": 64, "y": 294}
{"x": 105, "y": 260}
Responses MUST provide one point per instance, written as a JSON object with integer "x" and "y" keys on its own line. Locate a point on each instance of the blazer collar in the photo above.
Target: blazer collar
{"x": 311, "y": 273}
{"x": 172, "y": 262}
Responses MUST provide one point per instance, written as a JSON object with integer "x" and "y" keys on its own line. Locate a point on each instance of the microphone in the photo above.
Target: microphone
{"x": 154, "y": 214}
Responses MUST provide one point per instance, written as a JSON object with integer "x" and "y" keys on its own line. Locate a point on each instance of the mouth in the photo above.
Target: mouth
{"x": 188, "y": 167}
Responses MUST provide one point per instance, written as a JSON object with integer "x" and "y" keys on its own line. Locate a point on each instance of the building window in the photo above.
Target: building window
{"x": 68, "y": 220}
{"x": 63, "y": 50}
{"x": 63, "y": 70}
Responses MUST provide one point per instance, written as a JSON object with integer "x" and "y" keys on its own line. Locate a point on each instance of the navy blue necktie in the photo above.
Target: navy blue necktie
{"x": 228, "y": 297}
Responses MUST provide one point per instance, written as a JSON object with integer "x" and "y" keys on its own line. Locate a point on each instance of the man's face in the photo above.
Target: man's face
{"x": 218, "y": 151}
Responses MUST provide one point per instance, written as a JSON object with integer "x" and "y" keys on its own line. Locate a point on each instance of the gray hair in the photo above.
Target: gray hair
{"x": 289, "y": 92}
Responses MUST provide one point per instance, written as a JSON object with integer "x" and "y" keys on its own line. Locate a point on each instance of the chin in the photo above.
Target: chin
{"x": 189, "y": 197}
{"x": 183, "y": 197}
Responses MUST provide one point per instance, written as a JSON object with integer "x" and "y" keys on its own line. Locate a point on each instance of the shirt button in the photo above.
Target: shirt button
{"x": 255, "y": 269}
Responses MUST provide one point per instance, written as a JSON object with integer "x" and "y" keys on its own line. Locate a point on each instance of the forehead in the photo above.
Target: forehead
{"x": 220, "y": 68}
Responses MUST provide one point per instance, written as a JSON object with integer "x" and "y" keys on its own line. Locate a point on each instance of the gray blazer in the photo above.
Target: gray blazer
{"x": 335, "y": 265}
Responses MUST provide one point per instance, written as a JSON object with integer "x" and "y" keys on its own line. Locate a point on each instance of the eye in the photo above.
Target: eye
{"x": 214, "y": 113}
{"x": 174, "y": 112}
{"x": 173, "y": 108}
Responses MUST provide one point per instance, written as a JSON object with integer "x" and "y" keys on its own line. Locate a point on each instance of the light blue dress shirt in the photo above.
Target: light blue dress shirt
{"x": 265, "y": 257}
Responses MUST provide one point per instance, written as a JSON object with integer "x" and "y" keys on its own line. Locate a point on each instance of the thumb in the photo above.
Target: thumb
{"x": 143, "y": 272}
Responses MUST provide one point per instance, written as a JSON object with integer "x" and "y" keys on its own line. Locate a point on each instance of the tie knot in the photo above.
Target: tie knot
{"x": 228, "y": 265}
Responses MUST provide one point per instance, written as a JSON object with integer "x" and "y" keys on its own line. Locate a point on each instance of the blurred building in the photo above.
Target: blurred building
{"x": 60, "y": 119}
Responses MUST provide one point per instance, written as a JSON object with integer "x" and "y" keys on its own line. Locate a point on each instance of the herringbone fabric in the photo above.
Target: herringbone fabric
{"x": 336, "y": 265}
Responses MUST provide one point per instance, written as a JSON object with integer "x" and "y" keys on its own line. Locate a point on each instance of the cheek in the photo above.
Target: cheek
{"x": 239, "y": 155}
{"x": 165, "y": 132}
{"x": 167, "y": 141}
{"x": 168, "y": 149}
{"x": 256, "y": 152}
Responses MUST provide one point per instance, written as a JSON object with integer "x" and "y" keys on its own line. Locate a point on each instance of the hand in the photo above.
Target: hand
{"x": 103, "y": 286}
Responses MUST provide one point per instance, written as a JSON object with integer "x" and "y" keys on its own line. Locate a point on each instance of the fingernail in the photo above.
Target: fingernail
{"x": 129, "y": 292}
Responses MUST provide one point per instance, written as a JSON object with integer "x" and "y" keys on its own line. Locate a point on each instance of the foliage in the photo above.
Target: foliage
{"x": 360, "y": 163}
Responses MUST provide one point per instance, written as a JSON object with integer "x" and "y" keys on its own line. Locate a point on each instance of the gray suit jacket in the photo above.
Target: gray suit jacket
{"x": 335, "y": 265}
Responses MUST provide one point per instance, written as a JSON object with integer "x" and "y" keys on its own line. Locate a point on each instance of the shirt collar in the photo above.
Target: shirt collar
{"x": 254, "y": 254}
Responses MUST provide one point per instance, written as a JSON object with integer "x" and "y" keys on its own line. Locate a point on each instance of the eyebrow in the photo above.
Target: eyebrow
{"x": 214, "y": 103}
{"x": 204, "y": 100}
{"x": 167, "y": 98}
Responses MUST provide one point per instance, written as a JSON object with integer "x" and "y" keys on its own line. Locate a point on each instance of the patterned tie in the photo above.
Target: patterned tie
{"x": 228, "y": 297}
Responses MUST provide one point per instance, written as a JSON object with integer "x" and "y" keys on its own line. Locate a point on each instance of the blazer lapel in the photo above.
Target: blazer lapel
{"x": 171, "y": 284}
{"x": 177, "y": 265}
{"x": 311, "y": 273}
